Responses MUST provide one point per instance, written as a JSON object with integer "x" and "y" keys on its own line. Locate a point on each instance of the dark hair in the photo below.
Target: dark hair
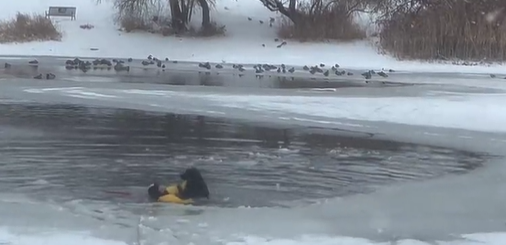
{"x": 195, "y": 185}
{"x": 154, "y": 191}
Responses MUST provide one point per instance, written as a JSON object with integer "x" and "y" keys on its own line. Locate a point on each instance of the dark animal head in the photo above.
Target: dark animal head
{"x": 195, "y": 185}
{"x": 154, "y": 191}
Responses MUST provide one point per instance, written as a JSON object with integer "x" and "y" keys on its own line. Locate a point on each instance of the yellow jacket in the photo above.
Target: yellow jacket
{"x": 172, "y": 195}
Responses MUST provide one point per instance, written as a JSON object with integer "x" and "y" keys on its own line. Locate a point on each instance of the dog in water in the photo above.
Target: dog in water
{"x": 192, "y": 186}
{"x": 195, "y": 187}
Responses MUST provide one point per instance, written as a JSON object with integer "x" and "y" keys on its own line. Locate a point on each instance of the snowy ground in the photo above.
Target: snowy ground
{"x": 243, "y": 43}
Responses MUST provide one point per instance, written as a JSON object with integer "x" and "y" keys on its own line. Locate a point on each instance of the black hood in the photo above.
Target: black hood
{"x": 154, "y": 191}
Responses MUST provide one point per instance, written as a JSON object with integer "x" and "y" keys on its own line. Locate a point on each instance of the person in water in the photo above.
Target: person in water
{"x": 192, "y": 186}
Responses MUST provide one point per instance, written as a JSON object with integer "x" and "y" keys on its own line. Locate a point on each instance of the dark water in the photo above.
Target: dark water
{"x": 73, "y": 152}
{"x": 269, "y": 80}
{"x": 188, "y": 75}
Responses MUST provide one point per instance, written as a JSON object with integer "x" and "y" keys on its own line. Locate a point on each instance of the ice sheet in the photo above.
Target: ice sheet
{"x": 479, "y": 112}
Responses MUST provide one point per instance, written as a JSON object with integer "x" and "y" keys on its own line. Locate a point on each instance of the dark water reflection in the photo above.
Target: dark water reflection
{"x": 253, "y": 80}
{"x": 80, "y": 152}
{"x": 222, "y": 78}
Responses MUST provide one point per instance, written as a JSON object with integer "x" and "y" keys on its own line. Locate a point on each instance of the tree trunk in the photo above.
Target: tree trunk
{"x": 290, "y": 12}
{"x": 206, "y": 19}
{"x": 178, "y": 23}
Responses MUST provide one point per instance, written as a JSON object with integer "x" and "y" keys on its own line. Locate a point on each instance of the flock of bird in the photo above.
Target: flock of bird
{"x": 259, "y": 69}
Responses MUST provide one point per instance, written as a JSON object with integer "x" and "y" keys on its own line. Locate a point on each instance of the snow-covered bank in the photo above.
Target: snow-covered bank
{"x": 146, "y": 235}
{"x": 471, "y": 239}
{"x": 64, "y": 238}
{"x": 9, "y": 236}
{"x": 243, "y": 43}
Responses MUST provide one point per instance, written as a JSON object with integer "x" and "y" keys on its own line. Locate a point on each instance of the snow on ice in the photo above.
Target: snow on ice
{"x": 461, "y": 111}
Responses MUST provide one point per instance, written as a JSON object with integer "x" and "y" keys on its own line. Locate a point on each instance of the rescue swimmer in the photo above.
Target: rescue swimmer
{"x": 192, "y": 186}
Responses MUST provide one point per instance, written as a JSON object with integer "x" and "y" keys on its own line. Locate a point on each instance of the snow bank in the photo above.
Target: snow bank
{"x": 8, "y": 237}
{"x": 243, "y": 43}
{"x": 471, "y": 239}
{"x": 305, "y": 240}
{"x": 65, "y": 238}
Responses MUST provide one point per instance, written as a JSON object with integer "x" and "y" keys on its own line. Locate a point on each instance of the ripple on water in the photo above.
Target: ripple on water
{"x": 83, "y": 152}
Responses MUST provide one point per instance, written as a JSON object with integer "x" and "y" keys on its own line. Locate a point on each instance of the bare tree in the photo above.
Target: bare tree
{"x": 180, "y": 10}
{"x": 316, "y": 6}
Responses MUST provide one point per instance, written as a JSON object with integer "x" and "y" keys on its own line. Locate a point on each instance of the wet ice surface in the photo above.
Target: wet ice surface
{"x": 62, "y": 163}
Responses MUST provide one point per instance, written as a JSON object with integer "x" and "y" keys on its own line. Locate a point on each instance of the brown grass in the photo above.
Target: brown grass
{"x": 332, "y": 22}
{"x": 447, "y": 31}
{"x": 131, "y": 23}
{"x": 210, "y": 31}
{"x": 28, "y": 28}
{"x": 153, "y": 16}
